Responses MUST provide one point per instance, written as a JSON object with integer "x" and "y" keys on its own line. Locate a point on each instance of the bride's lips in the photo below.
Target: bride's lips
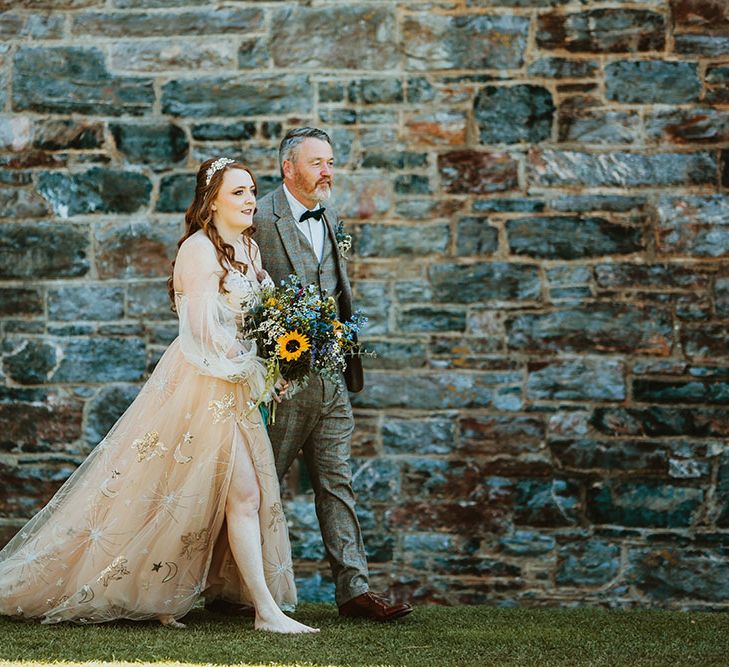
{"x": 247, "y": 211}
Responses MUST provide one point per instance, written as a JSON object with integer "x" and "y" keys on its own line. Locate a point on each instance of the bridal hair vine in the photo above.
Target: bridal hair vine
{"x": 215, "y": 166}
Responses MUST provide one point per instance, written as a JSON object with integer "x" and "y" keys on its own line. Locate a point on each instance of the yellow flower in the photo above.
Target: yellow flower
{"x": 271, "y": 302}
{"x": 292, "y": 345}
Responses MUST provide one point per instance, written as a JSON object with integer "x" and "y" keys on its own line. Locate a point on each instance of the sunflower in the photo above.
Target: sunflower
{"x": 292, "y": 345}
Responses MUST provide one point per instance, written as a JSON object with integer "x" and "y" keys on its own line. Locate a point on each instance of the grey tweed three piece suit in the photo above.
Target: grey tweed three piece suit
{"x": 318, "y": 419}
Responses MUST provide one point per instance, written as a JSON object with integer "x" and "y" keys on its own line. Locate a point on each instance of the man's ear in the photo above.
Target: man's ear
{"x": 288, "y": 168}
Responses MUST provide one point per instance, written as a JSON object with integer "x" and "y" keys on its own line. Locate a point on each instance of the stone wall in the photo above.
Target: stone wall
{"x": 538, "y": 194}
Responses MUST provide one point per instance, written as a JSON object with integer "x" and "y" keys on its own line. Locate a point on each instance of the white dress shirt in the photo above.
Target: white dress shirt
{"x": 312, "y": 228}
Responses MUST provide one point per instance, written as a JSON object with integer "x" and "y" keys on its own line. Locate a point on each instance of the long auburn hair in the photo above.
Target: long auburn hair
{"x": 199, "y": 215}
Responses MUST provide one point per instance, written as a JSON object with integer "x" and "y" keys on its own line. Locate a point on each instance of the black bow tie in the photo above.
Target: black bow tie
{"x": 312, "y": 214}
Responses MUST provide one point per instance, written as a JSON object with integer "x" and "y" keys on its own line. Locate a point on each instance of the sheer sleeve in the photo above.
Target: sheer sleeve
{"x": 208, "y": 320}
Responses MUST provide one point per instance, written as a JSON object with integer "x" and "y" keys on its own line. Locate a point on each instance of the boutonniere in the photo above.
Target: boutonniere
{"x": 344, "y": 240}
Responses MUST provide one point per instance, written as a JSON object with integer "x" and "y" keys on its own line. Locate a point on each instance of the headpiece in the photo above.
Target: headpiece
{"x": 215, "y": 166}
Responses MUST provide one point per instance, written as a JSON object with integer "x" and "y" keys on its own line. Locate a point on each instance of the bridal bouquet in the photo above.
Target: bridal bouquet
{"x": 297, "y": 333}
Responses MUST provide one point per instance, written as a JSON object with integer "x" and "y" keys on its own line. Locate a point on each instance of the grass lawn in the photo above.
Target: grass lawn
{"x": 431, "y": 636}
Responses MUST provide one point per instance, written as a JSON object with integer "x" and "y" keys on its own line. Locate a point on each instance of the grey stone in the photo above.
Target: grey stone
{"x": 643, "y": 504}
{"x": 562, "y": 68}
{"x": 97, "y": 190}
{"x": 670, "y": 574}
{"x": 512, "y": 114}
{"x": 223, "y": 131}
{"x": 158, "y": 144}
{"x": 331, "y": 91}
{"x": 217, "y": 20}
{"x": 611, "y": 327}
{"x": 583, "y": 379}
{"x": 460, "y": 390}
{"x": 721, "y": 297}
{"x": 89, "y": 302}
{"x": 397, "y": 240}
{"x": 176, "y": 193}
{"x": 373, "y": 299}
{"x": 562, "y": 237}
{"x": 701, "y": 45}
{"x": 585, "y": 203}
{"x": 433, "y": 41}
{"x": 236, "y": 96}
{"x": 611, "y": 30}
{"x": 75, "y": 80}
{"x": 347, "y": 37}
{"x": 552, "y": 502}
{"x": 592, "y": 562}
{"x": 550, "y": 167}
{"x": 136, "y": 249}
{"x": 101, "y": 360}
{"x": 254, "y": 53}
{"x": 394, "y": 354}
{"x": 515, "y": 205}
{"x": 376, "y": 479}
{"x": 527, "y": 543}
{"x": 652, "y": 82}
{"x": 585, "y": 454}
{"x": 376, "y": 91}
{"x": 31, "y": 26}
{"x": 412, "y": 184}
{"x": 31, "y": 362}
{"x": 43, "y": 250}
{"x": 474, "y": 236}
{"x": 599, "y": 127}
{"x": 662, "y": 276}
{"x": 694, "y": 225}
{"x": 429, "y": 319}
{"x": 170, "y": 55}
{"x": 418, "y": 436}
{"x": 21, "y": 203}
{"x": 149, "y": 301}
{"x": 484, "y": 282}
{"x": 105, "y": 408}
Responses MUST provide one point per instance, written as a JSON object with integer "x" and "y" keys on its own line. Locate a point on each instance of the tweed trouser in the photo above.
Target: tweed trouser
{"x": 319, "y": 421}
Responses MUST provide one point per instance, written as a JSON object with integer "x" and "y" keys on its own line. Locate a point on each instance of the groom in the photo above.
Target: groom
{"x": 296, "y": 234}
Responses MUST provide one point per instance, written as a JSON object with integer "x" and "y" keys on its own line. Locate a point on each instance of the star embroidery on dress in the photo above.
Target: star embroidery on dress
{"x": 149, "y": 446}
{"x": 157, "y": 566}
{"x": 222, "y": 409}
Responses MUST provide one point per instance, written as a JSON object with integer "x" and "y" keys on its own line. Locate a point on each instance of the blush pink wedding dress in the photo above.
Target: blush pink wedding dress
{"x": 139, "y": 529}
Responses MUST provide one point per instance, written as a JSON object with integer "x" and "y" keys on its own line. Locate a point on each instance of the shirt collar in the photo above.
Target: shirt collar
{"x": 297, "y": 208}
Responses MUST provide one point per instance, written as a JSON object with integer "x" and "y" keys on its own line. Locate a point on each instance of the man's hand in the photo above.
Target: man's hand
{"x": 280, "y": 388}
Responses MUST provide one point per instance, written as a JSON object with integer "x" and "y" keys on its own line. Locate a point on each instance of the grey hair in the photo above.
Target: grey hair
{"x": 295, "y": 137}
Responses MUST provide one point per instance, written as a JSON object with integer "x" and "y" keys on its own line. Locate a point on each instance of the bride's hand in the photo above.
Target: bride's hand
{"x": 280, "y": 388}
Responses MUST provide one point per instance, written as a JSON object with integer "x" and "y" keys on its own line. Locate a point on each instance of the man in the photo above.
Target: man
{"x": 296, "y": 234}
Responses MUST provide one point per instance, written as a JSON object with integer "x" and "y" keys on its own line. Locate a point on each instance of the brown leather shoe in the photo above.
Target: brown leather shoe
{"x": 373, "y": 607}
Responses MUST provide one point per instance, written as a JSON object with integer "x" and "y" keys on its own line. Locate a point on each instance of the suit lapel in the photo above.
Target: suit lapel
{"x": 341, "y": 266}
{"x": 286, "y": 227}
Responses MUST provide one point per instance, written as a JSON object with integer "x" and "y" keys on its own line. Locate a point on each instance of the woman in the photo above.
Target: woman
{"x": 181, "y": 497}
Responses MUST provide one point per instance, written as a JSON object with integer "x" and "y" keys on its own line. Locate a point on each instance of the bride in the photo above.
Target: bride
{"x": 181, "y": 498}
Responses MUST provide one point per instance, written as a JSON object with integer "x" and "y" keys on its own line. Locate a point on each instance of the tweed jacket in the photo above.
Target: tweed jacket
{"x": 281, "y": 251}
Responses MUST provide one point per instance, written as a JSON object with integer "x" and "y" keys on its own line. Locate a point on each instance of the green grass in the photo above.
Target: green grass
{"x": 431, "y": 636}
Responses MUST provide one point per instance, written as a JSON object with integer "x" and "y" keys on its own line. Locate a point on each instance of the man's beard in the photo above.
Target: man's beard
{"x": 322, "y": 192}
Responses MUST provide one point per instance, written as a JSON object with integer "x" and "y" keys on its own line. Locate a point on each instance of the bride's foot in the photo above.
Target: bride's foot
{"x": 279, "y": 622}
{"x": 170, "y": 622}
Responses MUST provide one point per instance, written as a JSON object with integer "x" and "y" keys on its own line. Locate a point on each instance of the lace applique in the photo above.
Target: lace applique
{"x": 277, "y": 516}
{"x": 148, "y": 447}
{"x": 222, "y": 409}
{"x": 114, "y": 572}
{"x": 194, "y": 541}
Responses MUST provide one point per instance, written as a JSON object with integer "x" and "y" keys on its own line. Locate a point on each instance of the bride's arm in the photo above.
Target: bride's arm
{"x": 208, "y": 329}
